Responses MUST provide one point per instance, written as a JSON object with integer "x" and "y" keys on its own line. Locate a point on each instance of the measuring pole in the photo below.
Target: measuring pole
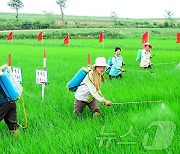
{"x": 44, "y": 67}
{"x": 42, "y": 39}
{"x": 89, "y": 61}
{"x": 103, "y": 40}
{"x": 9, "y": 61}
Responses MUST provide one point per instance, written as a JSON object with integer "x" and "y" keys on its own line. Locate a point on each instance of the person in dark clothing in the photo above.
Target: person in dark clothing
{"x": 8, "y": 112}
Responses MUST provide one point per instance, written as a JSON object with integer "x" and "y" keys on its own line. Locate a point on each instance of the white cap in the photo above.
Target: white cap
{"x": 147, "y": 43}
{"x": 100, "y": 61}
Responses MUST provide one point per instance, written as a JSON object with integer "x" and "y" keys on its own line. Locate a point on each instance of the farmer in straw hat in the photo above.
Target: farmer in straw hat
{"x": 8, "y": 113}
{"x": 89, "y": 90}
{"x": 145, "y": 56}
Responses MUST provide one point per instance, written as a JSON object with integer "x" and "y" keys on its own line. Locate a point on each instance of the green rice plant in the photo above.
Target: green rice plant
{"x": 53, "y": 128}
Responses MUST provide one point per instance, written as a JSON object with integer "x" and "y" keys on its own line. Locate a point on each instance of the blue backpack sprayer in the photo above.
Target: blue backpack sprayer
{"x": 139, "y": 54}
{"x": 73, "y": 84}
{"x": 9, "y": 85}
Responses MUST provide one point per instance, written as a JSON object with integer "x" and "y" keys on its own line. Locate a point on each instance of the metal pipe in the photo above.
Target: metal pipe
{"x": 46, "y": 83}
{"x": 140, "y": 102}
{"x": 167, "y": 63}
{"x": 139, "y": 71}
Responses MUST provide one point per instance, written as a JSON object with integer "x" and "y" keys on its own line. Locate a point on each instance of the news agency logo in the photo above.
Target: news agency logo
{"x": 163, "y": 136}
{"x": 159, "y": 136}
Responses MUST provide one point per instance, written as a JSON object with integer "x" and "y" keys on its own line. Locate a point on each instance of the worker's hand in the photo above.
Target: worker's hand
{"x": 122, "y": 70}
{"x": 152, "y": 56}
{"x": 123, "y": 63}
{"x": 107, "y": 103}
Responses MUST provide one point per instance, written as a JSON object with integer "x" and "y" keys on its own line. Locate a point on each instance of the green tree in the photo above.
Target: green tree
{"x": 62, "y": 5}
{"x": 169, "y": 14}
{"x": 169, "y": 18}
{"x": 114, "y": 16}
{"x": 16, "y": 5}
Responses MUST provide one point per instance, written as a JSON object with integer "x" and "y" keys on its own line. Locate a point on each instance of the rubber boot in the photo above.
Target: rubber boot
{"x": 15, "y": 133}
{"x": 95, "y": 114}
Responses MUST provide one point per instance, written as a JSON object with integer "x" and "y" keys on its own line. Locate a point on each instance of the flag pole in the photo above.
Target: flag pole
{"x": 68, "y": 40}
{"x": 89, "y": 61}
{"x": 178, "y": 38}
{"x": 42, "y": 40}
{"x": 44, "y": 68}
{"x": 103, "y": 44}
{"x": 12, "y": 38}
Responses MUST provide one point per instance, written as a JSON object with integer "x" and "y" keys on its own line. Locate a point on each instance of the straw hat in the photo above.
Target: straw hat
{"x": 100, "y": 61}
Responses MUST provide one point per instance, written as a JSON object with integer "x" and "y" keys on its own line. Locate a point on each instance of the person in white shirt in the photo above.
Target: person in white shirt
{"x": 89, "y": 90}
{"x": 145, "y": 56}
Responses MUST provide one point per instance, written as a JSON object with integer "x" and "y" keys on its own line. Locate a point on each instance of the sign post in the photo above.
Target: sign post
{"x": 17, "y": 74}
{"x": 44, "y": 68}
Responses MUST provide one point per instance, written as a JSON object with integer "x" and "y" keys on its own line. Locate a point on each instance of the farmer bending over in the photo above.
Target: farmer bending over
{"x": 145, "y": 56}
{"x": 8, "y": 113}
{"x": 89, "y": 90}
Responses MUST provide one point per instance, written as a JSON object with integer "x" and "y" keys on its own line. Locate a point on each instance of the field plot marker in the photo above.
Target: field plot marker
{"x": 9, "y": 61}
{"x": 89, "y": 61}
{"x": 101, "y": 38}
{"x": 42, "y": 76}
{"x": 44, "y": 67}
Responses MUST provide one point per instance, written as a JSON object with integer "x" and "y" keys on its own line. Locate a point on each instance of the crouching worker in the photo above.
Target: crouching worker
{"x": 117, "y": 63}
{"x": 145, "y": 56}
{"x": 89, "y": 90}
{"x": 8, "y": 113}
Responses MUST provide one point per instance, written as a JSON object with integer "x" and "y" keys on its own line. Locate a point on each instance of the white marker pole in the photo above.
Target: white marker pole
{"x": 44, "y": 67}
{"x": 89, "y": 62}
{"x": 103, "y": 40}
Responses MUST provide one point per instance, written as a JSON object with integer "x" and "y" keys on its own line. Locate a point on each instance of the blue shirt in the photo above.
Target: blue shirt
{"x": 117, "y": 63}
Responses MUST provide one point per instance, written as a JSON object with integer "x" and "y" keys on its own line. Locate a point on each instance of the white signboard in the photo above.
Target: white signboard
{"x": 41, "y": 77}
{"x": 17, "y": 73}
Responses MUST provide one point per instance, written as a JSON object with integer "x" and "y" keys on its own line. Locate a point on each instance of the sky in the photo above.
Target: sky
{"x": 123, "y": 8}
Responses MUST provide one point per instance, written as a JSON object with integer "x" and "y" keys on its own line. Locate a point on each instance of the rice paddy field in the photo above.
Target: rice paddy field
{"x": 149, "y": 127}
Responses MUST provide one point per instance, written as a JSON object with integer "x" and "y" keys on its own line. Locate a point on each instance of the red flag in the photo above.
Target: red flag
{"x": 66, "y": 39}
{"x": 178, "y": 38}
{"x": 145, "y": 37}
{"x": 10, "y": 36}
{"x": 40, "y": 36}
{"x": 101, "y": 37}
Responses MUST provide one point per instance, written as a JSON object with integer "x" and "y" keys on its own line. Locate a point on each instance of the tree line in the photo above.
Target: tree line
{"x": 18, "y": 4}
{"x": 53, "y": 23}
